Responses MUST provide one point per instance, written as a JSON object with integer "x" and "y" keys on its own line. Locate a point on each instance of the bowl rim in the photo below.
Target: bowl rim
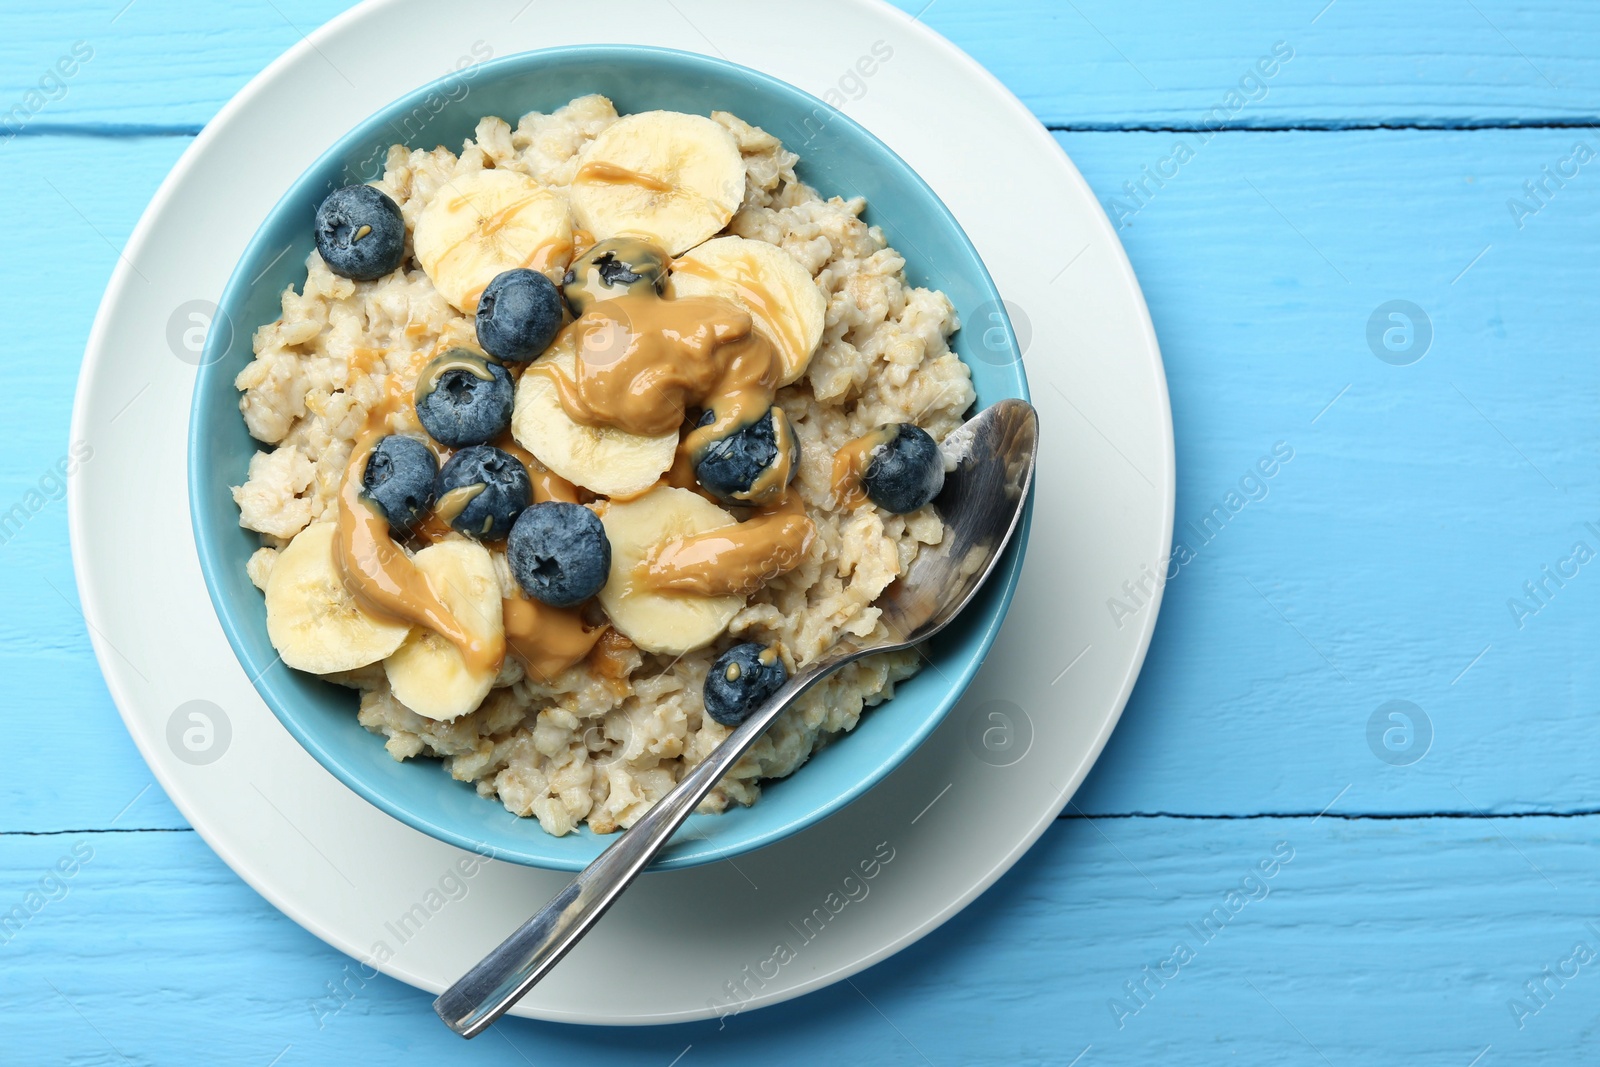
{"x": 1001, "y": 585}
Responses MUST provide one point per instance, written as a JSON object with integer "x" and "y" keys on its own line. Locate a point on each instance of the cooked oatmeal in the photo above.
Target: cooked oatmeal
{"x": 601, "y": 741}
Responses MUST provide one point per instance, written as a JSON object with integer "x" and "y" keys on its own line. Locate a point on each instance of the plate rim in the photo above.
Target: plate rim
{"x": 120, "y": 687}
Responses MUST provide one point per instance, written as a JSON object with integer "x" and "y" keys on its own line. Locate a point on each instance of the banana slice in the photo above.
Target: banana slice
{"x": 602, "y": 459}
{"x": 312, "y": 620}
{"x": 673, "y": 178}
{"x": 766, "y": 281}
{"x": 427, "y": 673}
{"x": 483, "y": 224}
{"x": 668, "y": 623}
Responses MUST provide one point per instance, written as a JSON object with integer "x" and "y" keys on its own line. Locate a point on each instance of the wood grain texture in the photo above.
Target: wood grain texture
{"x": 1389, "y": 544}
{"x": 151, "y": 63}
{"x": 56, "y": 256}
{"x": 1089, "y": 63}
{"x": 1381, "y": 561}
{"x": 1375, "y": 565}
{"x": 1377, "y": 942}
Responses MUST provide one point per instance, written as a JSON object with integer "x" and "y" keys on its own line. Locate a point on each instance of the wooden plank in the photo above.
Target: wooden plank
{"x": 1095, "y": 63}
{"x": 110, "y": 63}
{"x": 1389, "y": 544}
{"x": 1423, "y": 930}
{"x": 1091, "y": 64}
{"x": 1380, "y": 565}
{"x": 56, "y": 257}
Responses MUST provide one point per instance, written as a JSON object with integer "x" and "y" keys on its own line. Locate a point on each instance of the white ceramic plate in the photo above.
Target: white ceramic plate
{"x": 934, "y": 834}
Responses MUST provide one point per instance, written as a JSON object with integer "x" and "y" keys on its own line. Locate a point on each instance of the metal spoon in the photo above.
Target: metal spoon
{"x": 981, "y": 503}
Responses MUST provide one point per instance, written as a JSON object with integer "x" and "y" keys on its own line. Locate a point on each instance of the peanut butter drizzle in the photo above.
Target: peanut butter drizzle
{"x": 771, "y": 483}
{"x": 488, "y": 225}
{"x": 450, "y": 506}
{"x": 733, "y": 559}
{"x": 582, "y": 241}
{"x": 644, "y": 360}
{"x": 431, "y": 530}
{"x": 364, "y": 361}
{"x": 758, "y": 298}
{"x": 384, "y": 579}
{"x": 850, "y": 463}
{"x": 609, "y": 659}
{"x": 549, "y": 258}
{"x": 547, "y": 484}
{"x": 391, "y": 407}
{"x": 681, "y": 474}
{"x": 547, "y": 640}
{"x": 612, "y": 174}
{"x": 452, "y": 359}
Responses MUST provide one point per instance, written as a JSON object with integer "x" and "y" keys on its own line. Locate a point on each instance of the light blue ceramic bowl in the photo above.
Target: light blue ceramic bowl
{"x": 839, "y": 158}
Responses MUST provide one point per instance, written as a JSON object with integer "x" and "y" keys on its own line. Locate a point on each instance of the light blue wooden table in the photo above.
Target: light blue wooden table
{"x": 1440, "y": 898}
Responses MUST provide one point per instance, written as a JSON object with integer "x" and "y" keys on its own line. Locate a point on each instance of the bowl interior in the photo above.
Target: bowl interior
{"x": 838, "y": 158}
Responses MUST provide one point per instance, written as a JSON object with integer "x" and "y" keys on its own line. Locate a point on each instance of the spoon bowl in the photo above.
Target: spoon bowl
{"x": 981, "y": 504}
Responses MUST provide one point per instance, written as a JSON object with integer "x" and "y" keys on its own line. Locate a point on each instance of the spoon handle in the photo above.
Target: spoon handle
{"x": 484, "y": 993}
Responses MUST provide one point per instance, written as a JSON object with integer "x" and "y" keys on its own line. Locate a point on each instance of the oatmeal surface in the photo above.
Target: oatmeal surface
{"x": 599, "y": 743}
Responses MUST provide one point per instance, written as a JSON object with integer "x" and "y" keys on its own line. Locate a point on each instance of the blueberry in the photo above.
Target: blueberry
{"x": 729, "y": 467}
{"x": 399, "y": 479}
{"x": 464, "y": 399}
{"x": 905, "y": 473}
{"x": 559, "y": 553}
{"x": 360, "y": 233}
{"x": 614, "y": 266}
{"x": 519, "y": 314}
{"x": 741, "y": 680}
{"x": 495, "y": 490}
